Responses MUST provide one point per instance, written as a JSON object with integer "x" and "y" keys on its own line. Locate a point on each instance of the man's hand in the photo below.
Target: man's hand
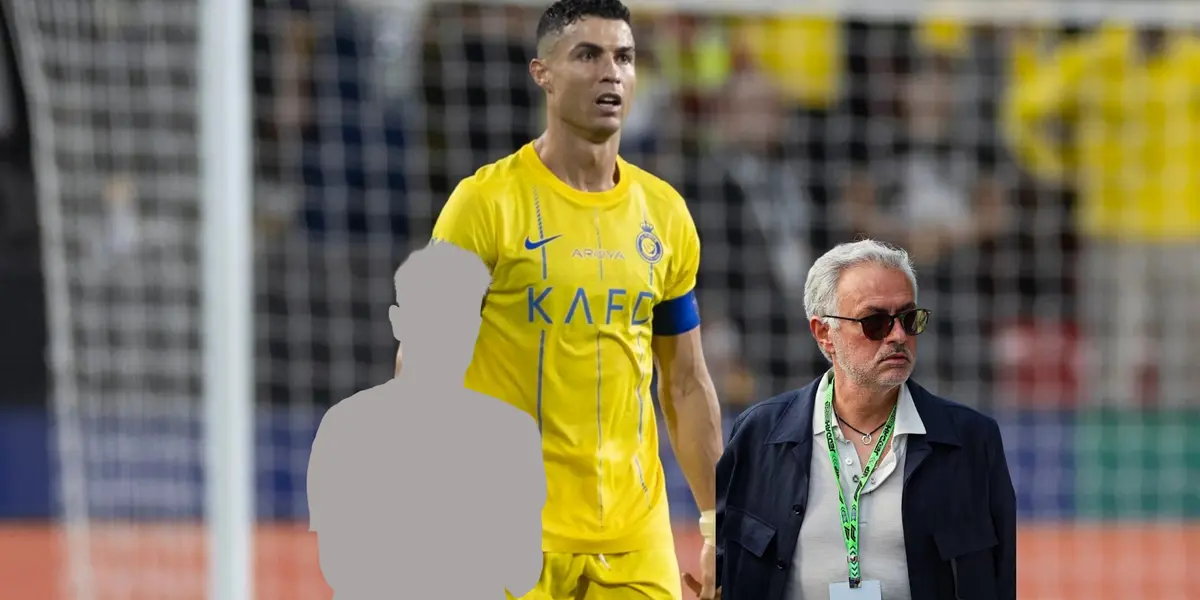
{"x": 706, "y": 587}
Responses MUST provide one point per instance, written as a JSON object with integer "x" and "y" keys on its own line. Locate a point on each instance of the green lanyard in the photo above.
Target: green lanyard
{"x": 850, "y": 517}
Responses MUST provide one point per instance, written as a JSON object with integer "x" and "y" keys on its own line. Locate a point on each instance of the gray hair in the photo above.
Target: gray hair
{"x": 820, "y": 289}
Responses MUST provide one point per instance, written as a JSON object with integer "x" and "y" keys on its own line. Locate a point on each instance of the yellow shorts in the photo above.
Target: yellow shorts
{"x": 642, "y": 575}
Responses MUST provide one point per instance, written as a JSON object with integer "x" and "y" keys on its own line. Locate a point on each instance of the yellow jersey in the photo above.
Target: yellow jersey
{"x": 1136, "y": 121}
{"x": 580, "y": 283}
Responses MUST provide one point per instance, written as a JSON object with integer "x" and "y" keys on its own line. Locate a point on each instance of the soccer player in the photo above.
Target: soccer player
{"x": 593, "y": 265}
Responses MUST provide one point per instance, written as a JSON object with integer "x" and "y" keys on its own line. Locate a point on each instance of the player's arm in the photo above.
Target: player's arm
{"x": 1043, "y": 93}
{"x": 686, "y": 391}
{"x": 468, "y": 220}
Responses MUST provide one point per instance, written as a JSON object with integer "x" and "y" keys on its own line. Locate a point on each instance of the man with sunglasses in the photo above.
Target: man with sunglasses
{"x": 864, "y": 485}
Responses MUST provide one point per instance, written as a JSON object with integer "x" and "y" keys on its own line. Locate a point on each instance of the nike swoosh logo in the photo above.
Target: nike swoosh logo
{"x": 532, "y": 245}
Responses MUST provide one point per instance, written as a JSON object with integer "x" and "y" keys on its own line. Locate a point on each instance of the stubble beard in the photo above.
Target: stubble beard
{"x": 865, "y": 375}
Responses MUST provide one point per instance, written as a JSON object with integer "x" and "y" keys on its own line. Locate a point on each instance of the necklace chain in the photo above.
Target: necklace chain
{"x": 866, "y": 437}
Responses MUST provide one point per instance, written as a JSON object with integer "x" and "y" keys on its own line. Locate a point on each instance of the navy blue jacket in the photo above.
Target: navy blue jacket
{"x": 959, "y": 506}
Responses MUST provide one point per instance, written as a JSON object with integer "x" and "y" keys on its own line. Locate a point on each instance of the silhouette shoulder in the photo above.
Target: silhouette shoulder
{"x": 343, "y": 429}
{"x": 364, "y": 402}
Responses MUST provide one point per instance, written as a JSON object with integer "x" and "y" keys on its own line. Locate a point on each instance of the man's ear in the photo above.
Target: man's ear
{"x": 540, "y": 74}
{"x": 820, "y": 332}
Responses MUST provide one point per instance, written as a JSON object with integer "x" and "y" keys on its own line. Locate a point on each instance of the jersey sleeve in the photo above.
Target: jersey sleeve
{"x": 468, "y": 221}
{"x": 686, "y": 261}
{"x": 678, "y": 312}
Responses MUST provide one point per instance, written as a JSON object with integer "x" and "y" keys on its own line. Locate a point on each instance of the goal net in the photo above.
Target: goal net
{"x": 1038, "y": 159}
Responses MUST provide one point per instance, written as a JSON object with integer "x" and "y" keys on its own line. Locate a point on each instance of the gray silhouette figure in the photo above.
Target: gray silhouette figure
{"x": 419, "y": 488}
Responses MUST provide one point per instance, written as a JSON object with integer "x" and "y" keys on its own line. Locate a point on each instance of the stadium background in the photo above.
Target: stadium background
{"x": 364, "y": 119}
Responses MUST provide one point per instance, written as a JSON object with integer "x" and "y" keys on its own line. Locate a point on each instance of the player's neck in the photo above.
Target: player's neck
{"x": 864, "y": 407}
{"x": 582, "y": 164}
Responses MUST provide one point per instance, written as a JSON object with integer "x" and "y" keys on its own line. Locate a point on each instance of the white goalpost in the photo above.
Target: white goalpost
{"x": 141, "y": 115}
{"x": 224, "y": 64}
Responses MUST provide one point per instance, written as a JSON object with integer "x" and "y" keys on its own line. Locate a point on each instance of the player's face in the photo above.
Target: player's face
{"x": 591, "y": 76}
{"x": 864, "y": 290}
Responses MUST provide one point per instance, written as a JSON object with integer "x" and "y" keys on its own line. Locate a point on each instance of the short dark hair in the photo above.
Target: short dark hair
{"x": 564, "y": 13}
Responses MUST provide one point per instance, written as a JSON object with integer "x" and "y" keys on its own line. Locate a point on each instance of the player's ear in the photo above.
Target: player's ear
{"x": 540, "y": 74}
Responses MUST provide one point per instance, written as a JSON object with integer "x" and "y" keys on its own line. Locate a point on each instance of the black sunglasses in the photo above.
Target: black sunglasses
{"x": 877, "y": 326}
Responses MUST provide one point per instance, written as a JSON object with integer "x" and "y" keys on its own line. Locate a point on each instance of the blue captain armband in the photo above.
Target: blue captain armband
{"x": 676, "y": 316}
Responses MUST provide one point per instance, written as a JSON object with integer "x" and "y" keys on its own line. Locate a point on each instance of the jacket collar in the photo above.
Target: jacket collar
{"x": 796, "y": 423}
{"x": 908, "y": 420}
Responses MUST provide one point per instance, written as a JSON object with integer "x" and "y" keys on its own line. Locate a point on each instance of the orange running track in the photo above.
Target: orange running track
{"x": 166, "y": 562}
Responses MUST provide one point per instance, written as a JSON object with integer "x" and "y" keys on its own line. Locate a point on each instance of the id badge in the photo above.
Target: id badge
{"x": 868, "y": 590}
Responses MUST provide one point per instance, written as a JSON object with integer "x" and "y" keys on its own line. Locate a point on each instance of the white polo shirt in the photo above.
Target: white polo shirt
{"x": 820, "y": 557}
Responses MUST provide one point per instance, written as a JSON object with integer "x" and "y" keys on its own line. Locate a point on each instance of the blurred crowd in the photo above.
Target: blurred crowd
{"x": 1024, "y": 168}
{"x": 1045, "y": 178}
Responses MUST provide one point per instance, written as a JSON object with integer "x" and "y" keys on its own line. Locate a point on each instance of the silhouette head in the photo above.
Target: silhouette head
{"x": 439, "y": 295}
